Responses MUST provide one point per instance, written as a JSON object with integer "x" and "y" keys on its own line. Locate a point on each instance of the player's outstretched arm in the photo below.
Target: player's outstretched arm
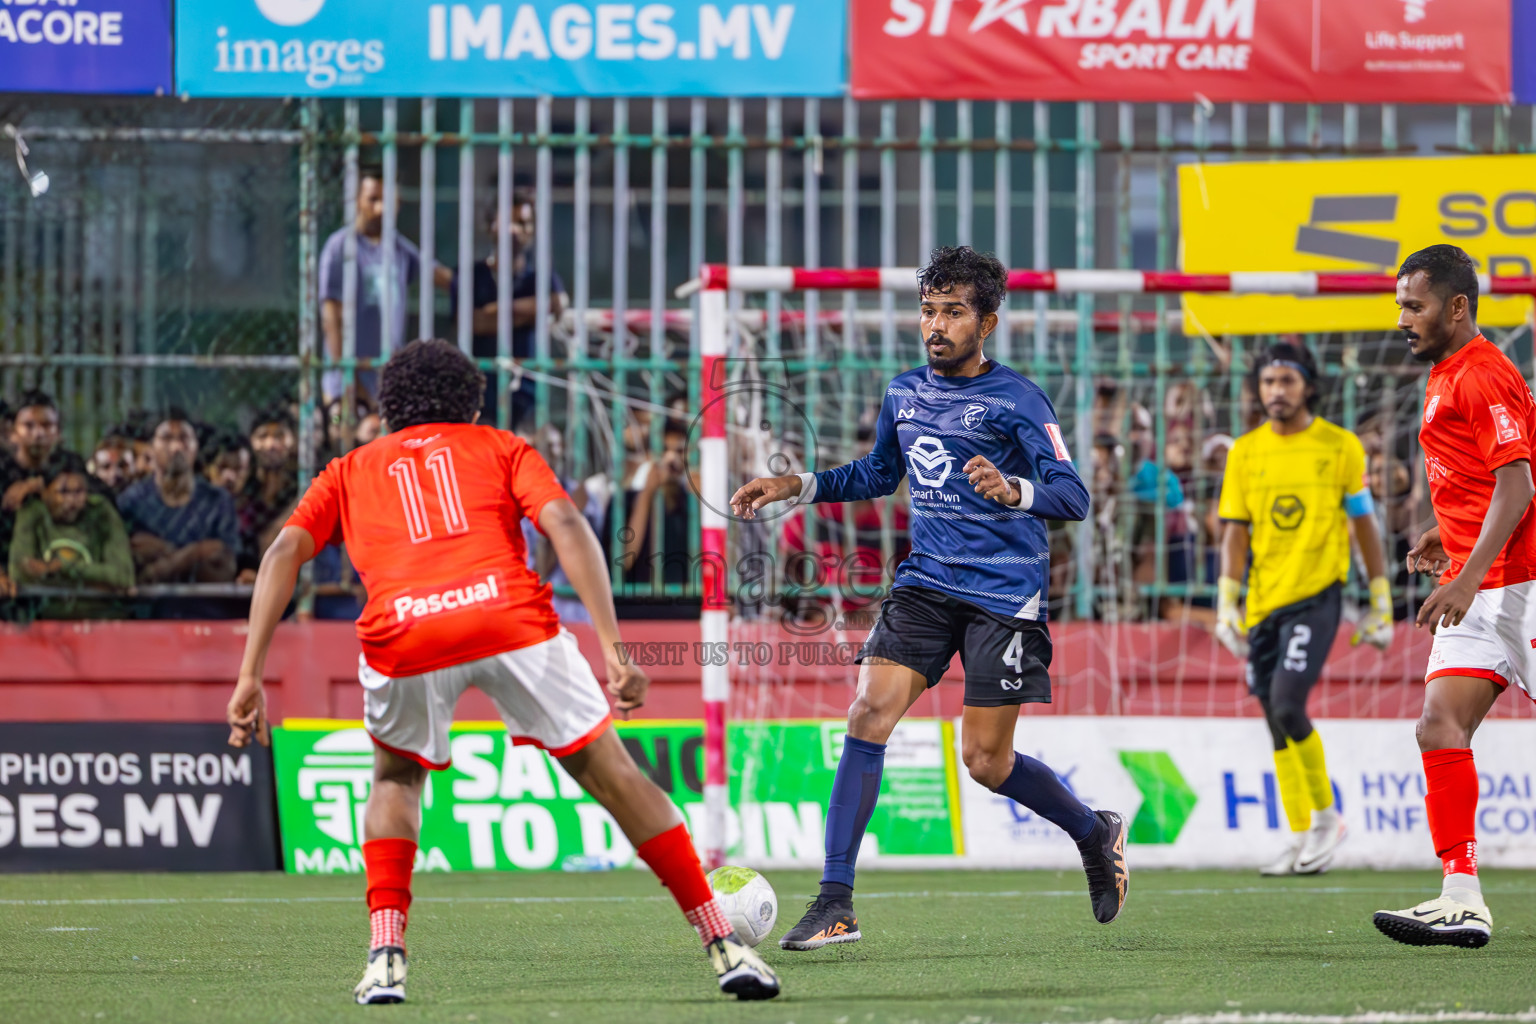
{"x": 581, "y": 556}
{"x": 1512, "y": 494}
{"x": 247, "y": 712}
{"x": 764, "y": 490}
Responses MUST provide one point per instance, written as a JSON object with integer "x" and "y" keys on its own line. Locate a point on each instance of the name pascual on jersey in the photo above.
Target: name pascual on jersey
{"x": 502, "y": 32}
{"x": 447, "y": 599}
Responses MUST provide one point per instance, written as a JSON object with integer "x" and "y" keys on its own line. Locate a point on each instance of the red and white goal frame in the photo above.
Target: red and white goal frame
{"x": 717, "y": 281}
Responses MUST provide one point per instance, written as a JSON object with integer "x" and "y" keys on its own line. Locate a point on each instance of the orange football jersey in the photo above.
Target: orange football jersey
{"x": 1478, "y": 416}
{"x": 431, "y": 517}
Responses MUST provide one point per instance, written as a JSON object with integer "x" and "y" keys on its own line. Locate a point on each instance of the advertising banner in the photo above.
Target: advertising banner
{"x": 536, "y": 48}
{"x": 141, "y": 796}
{"x": 509, "y": 807}
{"x": 1359, "y": 216}
{"x": 86, "y": 46}
{"x": 1200, "y": 792}
{"x": 1363, "y": 51}
{"x": 1523, "y": 29}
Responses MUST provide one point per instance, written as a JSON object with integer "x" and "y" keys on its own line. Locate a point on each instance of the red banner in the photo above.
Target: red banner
{"x": 1297, "y": 51}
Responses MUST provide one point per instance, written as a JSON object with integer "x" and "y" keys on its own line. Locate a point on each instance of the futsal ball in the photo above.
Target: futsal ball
{"x": 748, "y": 901}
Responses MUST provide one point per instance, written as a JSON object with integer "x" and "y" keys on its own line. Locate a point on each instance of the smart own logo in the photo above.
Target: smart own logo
{"x": 931, "y": 462}
{"x": 289, "y": 13}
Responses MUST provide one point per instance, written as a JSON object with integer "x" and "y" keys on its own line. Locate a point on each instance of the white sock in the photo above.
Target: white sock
{"x": 1327, "y": 817}
{"x": 1462, "y": 888}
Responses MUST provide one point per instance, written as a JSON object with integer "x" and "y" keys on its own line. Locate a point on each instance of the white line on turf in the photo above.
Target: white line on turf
{"x": 1369, "y": 1017}
{"x": 922, "y": 894}
{"x": 71, "y": 929}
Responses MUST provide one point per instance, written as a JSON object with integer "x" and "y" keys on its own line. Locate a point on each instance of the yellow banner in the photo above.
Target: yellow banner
{"x": 1352, "y": 216}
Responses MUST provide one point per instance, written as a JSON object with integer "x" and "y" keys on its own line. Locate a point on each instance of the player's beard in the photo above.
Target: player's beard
{"x": 961, "y": 353}
{"x": 1420, "y": 354}
{"x": 1432, "y": 345}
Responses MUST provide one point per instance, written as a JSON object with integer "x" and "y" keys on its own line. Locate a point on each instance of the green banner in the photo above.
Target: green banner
{"x": 513, "y": 808}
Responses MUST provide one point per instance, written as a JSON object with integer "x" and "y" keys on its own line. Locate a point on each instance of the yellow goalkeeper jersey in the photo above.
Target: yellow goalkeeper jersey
{"x": 1291, "y": 491}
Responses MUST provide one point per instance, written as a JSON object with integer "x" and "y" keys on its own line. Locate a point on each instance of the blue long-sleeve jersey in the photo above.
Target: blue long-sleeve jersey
{"x": 973, "y": 548}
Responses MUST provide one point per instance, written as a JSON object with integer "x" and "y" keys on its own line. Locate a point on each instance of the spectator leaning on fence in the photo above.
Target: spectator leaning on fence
{"x": 270, "y": 492}
{"x": 181, "y": 527}
{"x": 71, "y": 537}
{"x": 368, "y": 228}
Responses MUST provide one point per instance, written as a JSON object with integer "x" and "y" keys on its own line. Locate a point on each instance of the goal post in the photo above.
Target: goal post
{"x": 715, "y": 284}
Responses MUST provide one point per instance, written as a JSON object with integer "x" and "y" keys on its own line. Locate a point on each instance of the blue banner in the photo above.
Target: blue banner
{"x": 1523, "y": 39}
{"x": 537, "y": 48}
{"x": 94, "y": 46}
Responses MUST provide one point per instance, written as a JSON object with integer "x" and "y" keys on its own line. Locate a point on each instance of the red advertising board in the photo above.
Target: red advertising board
{"x": 1298, "y": 51}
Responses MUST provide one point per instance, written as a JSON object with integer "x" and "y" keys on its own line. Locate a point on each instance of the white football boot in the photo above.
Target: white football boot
{"x": 384, "y": 980}
{"x": 1442, "y": 921}
{"x": 1323, "y": 840}
{"x": 1285, "y": 864}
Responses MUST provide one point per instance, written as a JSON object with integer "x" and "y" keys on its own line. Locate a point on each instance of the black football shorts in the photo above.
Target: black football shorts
{"x": 1007, "y": 661}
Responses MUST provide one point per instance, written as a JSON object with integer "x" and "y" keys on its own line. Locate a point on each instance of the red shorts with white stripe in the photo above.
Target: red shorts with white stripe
{"x": 1495, "y": 641}
{"x": 545, "y": 693}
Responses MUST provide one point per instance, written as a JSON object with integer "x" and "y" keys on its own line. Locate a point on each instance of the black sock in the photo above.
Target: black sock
{"x": 836, "y": 891}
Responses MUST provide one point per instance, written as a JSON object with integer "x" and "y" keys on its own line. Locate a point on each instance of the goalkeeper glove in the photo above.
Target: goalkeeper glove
{"x": 1376, "y": 628}
{"x": 1231, "y": 633}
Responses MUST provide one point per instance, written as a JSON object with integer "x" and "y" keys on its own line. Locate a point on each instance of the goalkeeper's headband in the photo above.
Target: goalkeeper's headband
{"x": 1290, "y": 364}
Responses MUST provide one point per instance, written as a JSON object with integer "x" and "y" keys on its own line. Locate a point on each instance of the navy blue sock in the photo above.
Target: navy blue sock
{"x": 1033, "y": 784}
{"x": 854, "y": 792}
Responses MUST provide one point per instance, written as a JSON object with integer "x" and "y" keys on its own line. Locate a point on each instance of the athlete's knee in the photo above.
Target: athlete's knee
{"x": 991, "y": 768}
{"x": 1437, "y": 730}
{"x": 391, "y": 769}
{"x": 872, "y": 720}
{"x": 1276, "y": 730}
{"x": 1291, "y": 718}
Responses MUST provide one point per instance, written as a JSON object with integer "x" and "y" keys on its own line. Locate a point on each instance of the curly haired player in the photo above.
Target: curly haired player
{"x": 430, "y": 516}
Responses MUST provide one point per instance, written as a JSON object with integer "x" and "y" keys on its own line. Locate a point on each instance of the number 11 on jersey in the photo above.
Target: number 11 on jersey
{"x": 449, "y": 500}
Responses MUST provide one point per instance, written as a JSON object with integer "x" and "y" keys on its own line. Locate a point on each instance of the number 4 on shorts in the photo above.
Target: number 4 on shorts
{"x": 1013, "y": 657}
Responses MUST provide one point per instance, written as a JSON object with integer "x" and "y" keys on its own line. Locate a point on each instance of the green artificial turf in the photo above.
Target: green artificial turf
{"x": 953, "y": 946}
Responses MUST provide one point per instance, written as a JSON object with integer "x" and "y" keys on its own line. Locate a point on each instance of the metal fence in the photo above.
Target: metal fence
{"x": 175, "y": 261}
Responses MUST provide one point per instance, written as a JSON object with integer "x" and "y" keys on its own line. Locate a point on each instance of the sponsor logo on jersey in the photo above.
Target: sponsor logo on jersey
{"x": 1057, "y": 442}
{"x": 480, "y": 590}
{"x": 1287, "y": 512}
{"x": 974, "y": 414}
{"x": 1429, "y": 410}
{"x": 905, "y": 414}
{"x": 930, "y": 461}
{"x": 1504, "y": 423}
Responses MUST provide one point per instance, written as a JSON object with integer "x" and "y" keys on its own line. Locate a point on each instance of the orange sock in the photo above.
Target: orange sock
{"x": 672, "y": 856}
{"x": 389, "y": 863}
{"x": 1450, "y": 803}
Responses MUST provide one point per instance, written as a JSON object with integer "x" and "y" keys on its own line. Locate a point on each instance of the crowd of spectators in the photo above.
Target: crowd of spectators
{"x": 163, "y": 499}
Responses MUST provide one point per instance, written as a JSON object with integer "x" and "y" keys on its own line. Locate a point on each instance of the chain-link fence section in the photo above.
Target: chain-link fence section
{"x": 179, "y": 259}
